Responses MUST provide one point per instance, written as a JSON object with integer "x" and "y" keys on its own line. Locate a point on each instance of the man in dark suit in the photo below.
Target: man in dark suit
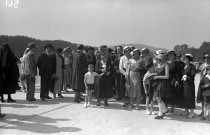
{"x": 47, "y": 70}
{"x": 79, "y": 69}
{"x": 30, "y": 70}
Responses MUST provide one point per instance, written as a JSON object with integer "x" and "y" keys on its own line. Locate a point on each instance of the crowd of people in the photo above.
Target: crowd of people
{"x": 127, "y": 74}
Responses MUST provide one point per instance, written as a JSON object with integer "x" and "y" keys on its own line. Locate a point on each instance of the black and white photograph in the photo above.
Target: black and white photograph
{"x": 105, "y": 67}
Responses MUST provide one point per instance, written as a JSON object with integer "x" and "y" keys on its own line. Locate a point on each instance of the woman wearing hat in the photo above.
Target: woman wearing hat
{"x": 188, "y": 78}
{"x": 174, "y": 78}
{"x": 11, "y": 73}
{"x": 103, "y": 85}
{"x": 202, "y": 68}
{"x": 67, "y": 56}
{"x": 163, "y": 89}
{"x": 135, "y": 65}
{"x": 59, "y": 74}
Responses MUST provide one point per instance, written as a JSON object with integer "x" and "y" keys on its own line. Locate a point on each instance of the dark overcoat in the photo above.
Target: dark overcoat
{"x": 79, "y": 69}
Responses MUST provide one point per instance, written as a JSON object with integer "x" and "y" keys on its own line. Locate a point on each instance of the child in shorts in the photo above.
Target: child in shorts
{"x": 89, "y": 81}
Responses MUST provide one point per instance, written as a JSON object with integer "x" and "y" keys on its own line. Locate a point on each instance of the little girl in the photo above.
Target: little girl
{"x": 89, "y": 81}
{"x": 205, "y": 86}
{"x": 149, "y": 85}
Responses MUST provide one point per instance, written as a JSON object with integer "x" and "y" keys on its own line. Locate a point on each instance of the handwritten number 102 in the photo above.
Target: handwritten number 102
{"x": 14, "y": 3}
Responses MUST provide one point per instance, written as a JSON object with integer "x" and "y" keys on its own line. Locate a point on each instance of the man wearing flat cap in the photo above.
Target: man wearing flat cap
{"x": 47, "y": 69}
{"x": 30, "y": 71}
{"x": 102, "y": 52}
{"x": 79, "y": 69}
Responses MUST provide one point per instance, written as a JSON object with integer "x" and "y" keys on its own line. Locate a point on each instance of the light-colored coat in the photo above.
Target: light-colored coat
{"x": 30, "y": 64}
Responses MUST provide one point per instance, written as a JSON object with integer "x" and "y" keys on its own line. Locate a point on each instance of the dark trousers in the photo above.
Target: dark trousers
{"x": 30, "y": 87}
{"x": 45, "y": 85}
{"x": 120, "y": 86}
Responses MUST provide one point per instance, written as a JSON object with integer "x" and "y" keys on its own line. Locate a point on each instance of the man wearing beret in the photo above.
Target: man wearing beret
{"x": 30, "y": 71}
{"x": 47, "y": 69}
{"x": 79, "y": 69}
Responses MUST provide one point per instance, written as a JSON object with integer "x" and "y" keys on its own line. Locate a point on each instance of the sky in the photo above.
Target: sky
{"x": 158, "y": 23}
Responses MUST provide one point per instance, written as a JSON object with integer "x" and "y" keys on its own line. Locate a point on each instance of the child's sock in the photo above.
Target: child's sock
{"x": 85, "y": 104}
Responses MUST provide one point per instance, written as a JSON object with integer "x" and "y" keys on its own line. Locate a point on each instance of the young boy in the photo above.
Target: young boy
{"x": 205, "y": 86}
{"x": 89, "y": 81}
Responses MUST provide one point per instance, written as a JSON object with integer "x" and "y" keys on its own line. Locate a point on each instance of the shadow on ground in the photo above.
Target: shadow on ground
{"x": 35, "y": 123}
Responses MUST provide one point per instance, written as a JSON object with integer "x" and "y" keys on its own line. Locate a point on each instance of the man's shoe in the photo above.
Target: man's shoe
{"x": 77, "y": 101}
{"x": 201, "y": 114}
{"x": 118, "y": 98}
{"x": 47, "y": 97}
{"x": 60, "y": 96}
{"x": 42, "y": 99}
{"x": 2, "y": 115}
{"x": 203, "y": 118}
{"x": 2, "y": 100}
{"x": 33, "y": 99}
{"x": 10, "y": 100}
{"x": 106, "y": 104}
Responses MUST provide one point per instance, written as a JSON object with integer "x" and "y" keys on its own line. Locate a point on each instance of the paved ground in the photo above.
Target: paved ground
{"x": 62, "y": 116}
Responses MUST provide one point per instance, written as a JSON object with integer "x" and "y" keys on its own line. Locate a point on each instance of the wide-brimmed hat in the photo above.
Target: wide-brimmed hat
{"x": 189, "y": 56}
{"x": 206, "y": 56}
{"x": 160, "y": 57}
{"x": 66, "y": 48}
{"x": 144, "y": 50}
{"x": 159, "y": 52}
{"x": 171, "y": 51}
{"x": 48, "y": 45}
{"x": 126, "y": 48}
{"x": 32, "y": 45}
{"x": 148, "y": 62}
{"x": 136, "y": 51}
